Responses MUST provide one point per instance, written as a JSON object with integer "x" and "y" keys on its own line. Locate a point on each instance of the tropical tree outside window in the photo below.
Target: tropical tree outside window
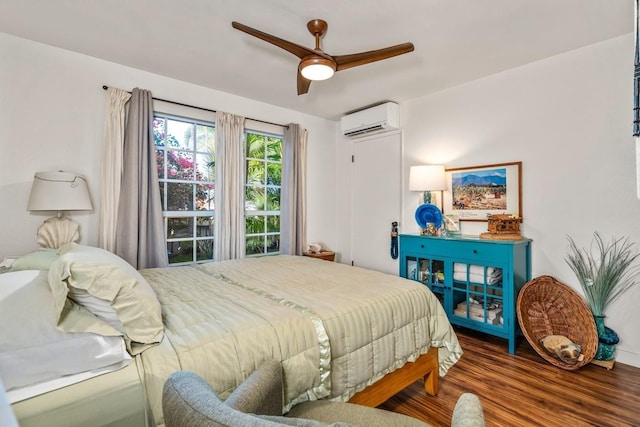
{"x": 263, "y": 155}
{"x": 185, "y": 158}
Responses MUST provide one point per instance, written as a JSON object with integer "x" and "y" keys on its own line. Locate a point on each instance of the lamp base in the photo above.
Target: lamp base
{"x": 57, "y": 232}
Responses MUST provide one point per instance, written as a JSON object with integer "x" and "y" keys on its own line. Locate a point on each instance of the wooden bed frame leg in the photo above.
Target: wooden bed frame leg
{"x": 431, "y": 382}
{"x": 426, "y": 367}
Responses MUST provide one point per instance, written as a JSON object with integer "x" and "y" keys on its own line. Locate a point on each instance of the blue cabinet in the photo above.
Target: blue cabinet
{"x": 476, "y": 280}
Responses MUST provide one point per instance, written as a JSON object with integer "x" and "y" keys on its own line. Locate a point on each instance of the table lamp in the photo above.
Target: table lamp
{"x": 59, "y": 191}
{"x": 427, "y": 178}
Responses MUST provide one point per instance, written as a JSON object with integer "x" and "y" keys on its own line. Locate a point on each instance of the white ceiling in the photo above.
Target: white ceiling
{"x": 192, "y": 40}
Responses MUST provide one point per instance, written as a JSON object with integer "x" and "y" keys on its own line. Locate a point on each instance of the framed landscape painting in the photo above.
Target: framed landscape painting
{"x": 474, "y": 193}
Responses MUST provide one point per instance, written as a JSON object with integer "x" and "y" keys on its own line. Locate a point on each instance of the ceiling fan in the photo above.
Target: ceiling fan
{"x": 315, "y": 64}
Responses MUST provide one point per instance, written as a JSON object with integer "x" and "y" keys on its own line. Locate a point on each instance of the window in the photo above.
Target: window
{"x": 263, "y": 155}
{"x": 185, "y": 153}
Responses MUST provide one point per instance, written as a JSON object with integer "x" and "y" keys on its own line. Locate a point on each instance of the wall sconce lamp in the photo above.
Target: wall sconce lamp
{"x": 59, "y": 191}
{"x": 427, "y": 178}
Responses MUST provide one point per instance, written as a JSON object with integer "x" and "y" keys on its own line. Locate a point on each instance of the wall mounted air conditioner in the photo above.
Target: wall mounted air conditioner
{"x": 381, "y": 118}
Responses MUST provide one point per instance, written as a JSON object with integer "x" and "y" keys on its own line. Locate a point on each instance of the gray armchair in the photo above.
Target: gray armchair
{"x": 188, "y": 400}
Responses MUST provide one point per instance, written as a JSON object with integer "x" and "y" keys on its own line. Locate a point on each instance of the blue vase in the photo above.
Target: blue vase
{"x": 607, "y": 340}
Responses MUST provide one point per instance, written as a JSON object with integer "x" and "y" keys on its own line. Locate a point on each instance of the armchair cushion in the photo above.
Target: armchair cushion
{"x": 357, "y": 415}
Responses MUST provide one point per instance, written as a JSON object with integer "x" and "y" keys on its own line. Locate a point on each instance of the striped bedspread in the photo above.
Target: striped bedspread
{"x": 336, "y": 328}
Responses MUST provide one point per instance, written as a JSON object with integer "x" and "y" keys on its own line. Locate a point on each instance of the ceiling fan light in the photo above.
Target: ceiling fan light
{"x": 317, "y": 68}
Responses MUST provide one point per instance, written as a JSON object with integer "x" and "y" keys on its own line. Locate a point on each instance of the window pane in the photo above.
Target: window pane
{"x": 255, "y": 245}
{"x": 273, "y": 223}
{"x": 179, "y": 134}
{"x": 180, "y": 251}
{"x": 274, "y": 173}
{"x": 204, "y": 197}
{"x": 273, "y": 243}
{"x": 160, "y": 163}
{"x": 180, "y": 165}
{"x": 254, "y": 198}
{"x": 204, "y": 226}
{"x": 179, "y": 227}
{"x": 205, "y": 138}
{"x": 159, "y": 131}
{"x": 164, "y": 206}
{"x": 204, "y": 250}
{"x": 205, "y": 167}
{"x": 274, "y": 149}
{"x": 255, "y": 146}
{"x": 179, "y": 197}
{"x": 273, "y": 199}
{"x": 255, "y": 224}
{"x": 255, "y": 172}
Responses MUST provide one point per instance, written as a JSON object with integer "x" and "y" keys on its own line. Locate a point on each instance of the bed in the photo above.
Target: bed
{"x": 341, "y": 332}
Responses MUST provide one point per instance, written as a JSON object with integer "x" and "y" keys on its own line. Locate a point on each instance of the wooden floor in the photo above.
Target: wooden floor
{"x": 525, "y": 390}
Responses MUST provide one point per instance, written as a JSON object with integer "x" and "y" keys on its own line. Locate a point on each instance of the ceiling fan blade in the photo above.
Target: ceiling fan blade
{"x": 303, "y": 84}
{"x": 347, "y": 61}
{"x": 297, "y": 50}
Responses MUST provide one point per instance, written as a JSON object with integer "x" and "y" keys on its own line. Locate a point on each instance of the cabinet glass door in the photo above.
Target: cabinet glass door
{"x": 429, "y": 272}
{"x": 478, "y": 294}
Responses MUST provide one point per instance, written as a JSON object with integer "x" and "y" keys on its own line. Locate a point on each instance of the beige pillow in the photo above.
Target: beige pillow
{"x": 96, "y": 291}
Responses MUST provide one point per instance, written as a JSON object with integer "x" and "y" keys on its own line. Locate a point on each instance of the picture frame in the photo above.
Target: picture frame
{"x": 476, "y": 192}
{"x": 451, "y": 223}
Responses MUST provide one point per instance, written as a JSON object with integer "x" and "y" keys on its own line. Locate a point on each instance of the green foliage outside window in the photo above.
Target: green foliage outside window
{"x": 263, "y": 155}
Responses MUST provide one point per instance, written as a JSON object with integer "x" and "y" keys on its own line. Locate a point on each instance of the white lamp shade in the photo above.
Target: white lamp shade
{"x": 59, "y": 191}
{"x": 427, "y": 178}
{"x": 316, "y": 68}
{"x": 317, "y": 72}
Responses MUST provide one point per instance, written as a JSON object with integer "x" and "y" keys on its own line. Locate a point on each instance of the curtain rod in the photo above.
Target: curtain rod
{"x": 105, "y": 87}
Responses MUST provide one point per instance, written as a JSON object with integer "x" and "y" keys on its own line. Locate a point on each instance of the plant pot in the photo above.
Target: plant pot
{"x": 599, "y": 325}
{"x": 605, "y": 352}
{"x": 607, "y": 340}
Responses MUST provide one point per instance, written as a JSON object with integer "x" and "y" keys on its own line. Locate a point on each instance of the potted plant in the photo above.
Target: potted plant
{"x": 605, "y": 271}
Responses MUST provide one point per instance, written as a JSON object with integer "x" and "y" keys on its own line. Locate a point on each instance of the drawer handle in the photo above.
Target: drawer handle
{"x": 422, "y": 246}
{"x": 475, "y": 251}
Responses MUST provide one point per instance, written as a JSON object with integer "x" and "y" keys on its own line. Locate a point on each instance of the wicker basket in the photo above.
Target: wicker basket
{"x": 548, "y": 307}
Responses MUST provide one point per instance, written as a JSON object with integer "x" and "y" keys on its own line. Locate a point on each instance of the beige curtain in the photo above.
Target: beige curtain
{"x": 140, "y": 237}
{"x": 293, "y": 214}
{"x": 229, "y": 227}
{"x": 112, "y": 166}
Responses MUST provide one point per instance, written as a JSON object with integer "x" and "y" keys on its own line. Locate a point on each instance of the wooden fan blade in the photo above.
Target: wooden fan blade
{"x": 303, "y": 84}
{"x": 348, "y": 61}
{"x": 297, "y": 50}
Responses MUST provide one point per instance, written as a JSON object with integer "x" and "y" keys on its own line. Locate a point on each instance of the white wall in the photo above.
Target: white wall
{"x": 52, "y": 116}
{"x": 568, "y": 119}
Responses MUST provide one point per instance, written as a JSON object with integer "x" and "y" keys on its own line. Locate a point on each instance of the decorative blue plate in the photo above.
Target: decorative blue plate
{"x": 428, "y": 213}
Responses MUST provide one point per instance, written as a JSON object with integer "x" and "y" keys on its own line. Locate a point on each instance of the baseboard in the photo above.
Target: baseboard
{"x": 627, "y": 357}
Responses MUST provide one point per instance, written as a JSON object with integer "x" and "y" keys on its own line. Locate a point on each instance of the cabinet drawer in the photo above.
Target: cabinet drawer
{"x": 470, "y": 249}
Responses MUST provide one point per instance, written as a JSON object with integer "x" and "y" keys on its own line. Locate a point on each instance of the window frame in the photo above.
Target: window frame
{"x": 193, "y": 237}
{"x": 266, "y": 213}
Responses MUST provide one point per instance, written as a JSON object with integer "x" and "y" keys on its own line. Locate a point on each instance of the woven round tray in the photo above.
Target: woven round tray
{"x": 548, "y": 307}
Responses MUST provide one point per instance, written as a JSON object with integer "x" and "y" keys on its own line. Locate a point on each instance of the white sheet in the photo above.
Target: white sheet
{"x": 35, "y": 356}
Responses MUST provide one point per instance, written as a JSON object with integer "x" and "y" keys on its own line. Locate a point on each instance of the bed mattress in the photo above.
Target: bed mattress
{"x": 115, "y": 399}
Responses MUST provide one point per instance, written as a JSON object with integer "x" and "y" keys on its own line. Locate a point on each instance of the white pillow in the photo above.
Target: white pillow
{"x": 32, "y": 349}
